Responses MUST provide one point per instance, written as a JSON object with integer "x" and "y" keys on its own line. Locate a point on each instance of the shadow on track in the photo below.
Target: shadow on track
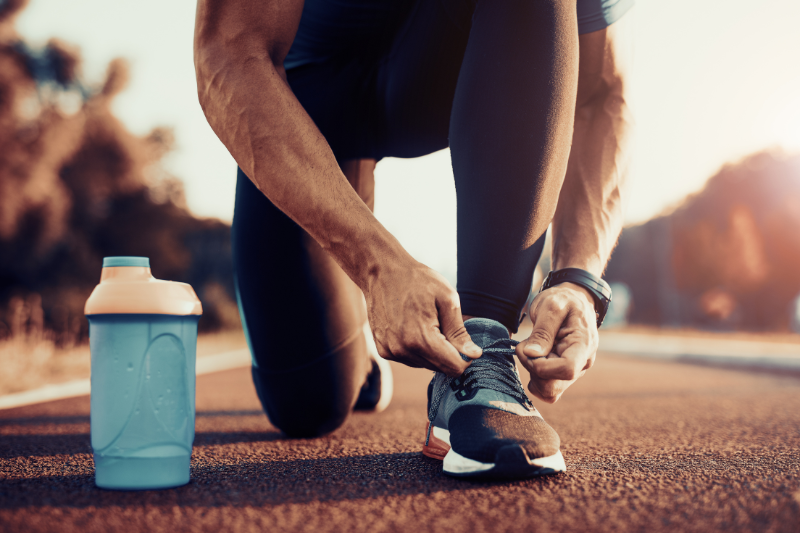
{"x": 253, "y": 483}
{"x": 44, "y": 420}
{"x": 84, "y": 419}
{"x": 77, "y": 443}
{"x": 44, "y": 446}
{"x": 30, "y": 443}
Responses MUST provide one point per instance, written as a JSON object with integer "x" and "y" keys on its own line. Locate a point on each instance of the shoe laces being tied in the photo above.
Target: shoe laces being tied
{"x": 494, "y": 370}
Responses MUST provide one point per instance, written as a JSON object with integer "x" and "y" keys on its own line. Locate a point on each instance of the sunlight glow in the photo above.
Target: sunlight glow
{"x": 713, "y": 81}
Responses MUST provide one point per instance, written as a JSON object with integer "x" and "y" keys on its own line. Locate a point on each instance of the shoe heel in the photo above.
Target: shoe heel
{"x": 436, "y": 448}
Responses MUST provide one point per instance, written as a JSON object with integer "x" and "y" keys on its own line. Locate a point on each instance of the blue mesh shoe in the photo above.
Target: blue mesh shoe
{"x": 482, "y": 423}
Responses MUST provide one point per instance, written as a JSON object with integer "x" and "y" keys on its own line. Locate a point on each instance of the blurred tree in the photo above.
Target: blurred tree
{"x": 76, "y": 185}
{"x": 728, "y": 257}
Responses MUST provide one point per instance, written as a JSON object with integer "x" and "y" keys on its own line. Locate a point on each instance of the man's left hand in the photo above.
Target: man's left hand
{"x": 563, "y": 344}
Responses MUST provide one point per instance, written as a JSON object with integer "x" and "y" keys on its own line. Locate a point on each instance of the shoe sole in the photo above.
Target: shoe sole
{"x": 511, "y": 462}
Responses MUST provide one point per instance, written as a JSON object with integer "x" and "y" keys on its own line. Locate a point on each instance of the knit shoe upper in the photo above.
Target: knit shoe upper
{"x": 486, "y": 415}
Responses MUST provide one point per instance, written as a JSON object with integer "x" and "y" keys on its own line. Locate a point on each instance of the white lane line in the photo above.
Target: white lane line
{"x": 715, "y": 351}
{"x": 47, "y": 393}
{"x": 81, "y": 387}
{"x": 223, "y": 361}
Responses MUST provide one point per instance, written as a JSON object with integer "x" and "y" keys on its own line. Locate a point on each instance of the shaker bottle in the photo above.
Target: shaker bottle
{"x": 143, "y": 338}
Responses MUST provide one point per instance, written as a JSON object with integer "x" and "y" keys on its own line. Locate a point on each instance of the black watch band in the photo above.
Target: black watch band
{"x": 599, "y": 289}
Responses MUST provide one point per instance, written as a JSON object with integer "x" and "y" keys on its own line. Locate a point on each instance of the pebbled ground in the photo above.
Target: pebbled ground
{"x": 650, "y": 446}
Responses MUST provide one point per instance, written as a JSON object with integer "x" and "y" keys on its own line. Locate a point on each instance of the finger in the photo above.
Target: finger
{"x": 444, "y": 355}
{"x": 415, "y": 361}
{"x": 383, "y": 351}
{"x": 452, "y": 326}
{"x": 549, "y": 390}
{"x": 575, "y": 357}
{"x": 546, "y": 324}
{"x": 567, "y": 367}
{"x": 408, "y": 359}
{"x": 590, "y": 361}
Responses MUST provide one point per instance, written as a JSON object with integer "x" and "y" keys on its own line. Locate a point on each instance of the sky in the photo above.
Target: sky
{"x": 712, "y": 81}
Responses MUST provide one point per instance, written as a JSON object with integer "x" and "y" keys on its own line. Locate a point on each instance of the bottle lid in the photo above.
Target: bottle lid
{"x": 127, "y": 287}
{"x": 126, "y": 261}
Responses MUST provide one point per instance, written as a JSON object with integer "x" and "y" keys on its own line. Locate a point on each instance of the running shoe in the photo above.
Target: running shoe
{"x": 376, "y": 393}
{"x": 482, "y": 424}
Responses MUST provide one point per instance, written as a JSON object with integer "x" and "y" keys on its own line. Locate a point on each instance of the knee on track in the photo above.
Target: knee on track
{"x": 302, "y": 412}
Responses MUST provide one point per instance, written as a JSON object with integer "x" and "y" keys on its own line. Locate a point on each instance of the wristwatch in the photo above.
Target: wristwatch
{"x": 599, "y": 289}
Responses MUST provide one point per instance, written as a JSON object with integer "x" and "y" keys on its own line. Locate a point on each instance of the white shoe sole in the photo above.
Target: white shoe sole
{"x": 459, "y": 465}
{"x": 511, "y": 461}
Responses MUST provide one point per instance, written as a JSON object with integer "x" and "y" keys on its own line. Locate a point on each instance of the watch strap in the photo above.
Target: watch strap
{"x": 597, "y": 287}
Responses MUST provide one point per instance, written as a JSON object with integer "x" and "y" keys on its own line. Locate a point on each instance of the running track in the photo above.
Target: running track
{"x": 649, "y": 445}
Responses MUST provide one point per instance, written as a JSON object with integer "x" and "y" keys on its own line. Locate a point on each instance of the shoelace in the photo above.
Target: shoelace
{"x": 494, "y": 370}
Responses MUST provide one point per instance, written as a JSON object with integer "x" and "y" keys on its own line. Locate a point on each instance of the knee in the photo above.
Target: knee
{"x": 298, "y": 411}
{"x": 315, "y": 397}
{"x": 299, "y": 423}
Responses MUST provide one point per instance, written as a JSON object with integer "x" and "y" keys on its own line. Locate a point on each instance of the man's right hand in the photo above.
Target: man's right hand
{"x": 415, "y": 315}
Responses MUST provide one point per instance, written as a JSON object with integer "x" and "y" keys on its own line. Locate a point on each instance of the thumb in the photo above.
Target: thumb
{"x": 452, "y": 326}
{"x": 540, "y": 342}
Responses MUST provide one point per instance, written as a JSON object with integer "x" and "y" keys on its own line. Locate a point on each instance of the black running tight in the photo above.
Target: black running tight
{"x": 495, "y": 80}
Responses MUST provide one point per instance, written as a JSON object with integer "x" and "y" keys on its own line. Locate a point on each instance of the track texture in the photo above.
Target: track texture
{"x": 650, "y": 446}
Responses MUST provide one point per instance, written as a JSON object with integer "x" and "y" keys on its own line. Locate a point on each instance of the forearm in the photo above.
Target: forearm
{"x": 253, "y": 111}
{"x": 589, "y": 215}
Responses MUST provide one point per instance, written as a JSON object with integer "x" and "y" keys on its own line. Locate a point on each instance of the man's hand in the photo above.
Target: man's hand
{"x": 415, "y": 315}
{"x": 563, "y": 344}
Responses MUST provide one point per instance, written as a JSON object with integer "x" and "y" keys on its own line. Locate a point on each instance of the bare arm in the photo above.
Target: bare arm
{"x": 239, "y": 50}
{"x": 589, "y": 215}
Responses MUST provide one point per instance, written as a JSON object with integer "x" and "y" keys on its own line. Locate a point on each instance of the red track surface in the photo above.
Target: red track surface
{"x": 649, "y": 446}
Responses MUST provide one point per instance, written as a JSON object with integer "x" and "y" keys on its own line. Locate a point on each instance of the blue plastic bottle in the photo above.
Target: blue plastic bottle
{"x": 143, "y": 339}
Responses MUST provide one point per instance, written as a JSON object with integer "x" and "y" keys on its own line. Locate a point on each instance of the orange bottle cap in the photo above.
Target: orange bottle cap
{"x": 128, "y": 287}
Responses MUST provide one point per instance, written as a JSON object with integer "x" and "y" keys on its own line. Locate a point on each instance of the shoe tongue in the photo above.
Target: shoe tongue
{"x": 485, "y": 331}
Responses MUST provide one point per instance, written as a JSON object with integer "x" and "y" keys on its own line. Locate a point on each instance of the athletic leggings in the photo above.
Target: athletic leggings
{"x": 495, "y": 80}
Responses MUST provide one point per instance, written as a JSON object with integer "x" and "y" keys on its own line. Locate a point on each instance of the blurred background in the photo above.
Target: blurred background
{"x": 104, "y": 151}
